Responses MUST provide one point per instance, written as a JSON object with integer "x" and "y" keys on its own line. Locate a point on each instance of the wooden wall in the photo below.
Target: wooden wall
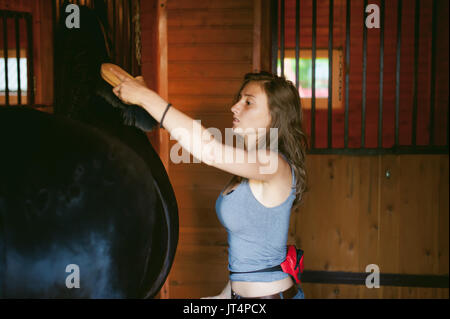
{"x": 210, "y": 45}
{"x": 399, "y": 223}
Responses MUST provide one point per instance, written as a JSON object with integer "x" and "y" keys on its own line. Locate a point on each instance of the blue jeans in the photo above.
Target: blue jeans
{"x": 299, "y": 295}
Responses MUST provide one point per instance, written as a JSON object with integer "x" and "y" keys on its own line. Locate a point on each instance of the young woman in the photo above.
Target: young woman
{"x": 255, "y": 206}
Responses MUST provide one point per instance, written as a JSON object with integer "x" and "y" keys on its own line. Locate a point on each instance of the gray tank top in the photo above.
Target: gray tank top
{"x": 257, "y": 235}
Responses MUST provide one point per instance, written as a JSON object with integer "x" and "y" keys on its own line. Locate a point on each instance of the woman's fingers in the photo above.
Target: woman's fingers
{"x": 116, "y": 90}
{"x": 141, "y": 80}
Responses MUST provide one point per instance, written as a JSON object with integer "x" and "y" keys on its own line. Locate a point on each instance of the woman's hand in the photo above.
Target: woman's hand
{"x": 135, "y": 91}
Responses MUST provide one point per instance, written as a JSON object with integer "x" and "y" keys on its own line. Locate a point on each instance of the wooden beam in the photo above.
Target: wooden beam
{"x": 163, "y": 91}
{"x": 154, "y": 69}
{"x": 257, "y": 35}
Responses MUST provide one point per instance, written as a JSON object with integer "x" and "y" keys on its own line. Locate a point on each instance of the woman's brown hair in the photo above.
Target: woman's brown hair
{"x": 286, "y": 113}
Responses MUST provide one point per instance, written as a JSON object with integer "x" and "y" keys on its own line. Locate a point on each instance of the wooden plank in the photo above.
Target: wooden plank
{"x": 326, "y": 228}
{"x": 368, "y": 232}
{"x": 257, "y": 17}
{"x": 418, "y": 233}
{"x": 158, "y": 39}
{"x": 199, "y": 217}
{"x": 18, "y": 5}
{"x": 213, "y": 70}
{"x": 199, "y": 87}
{"x": 212, "y": 35}
{"x": 200, "y": 198}
{"x": 204, "y": 52}
{"x": 209, "y": 17}
{"x": 389, "y": 190}
{"x": 195, "y": 179}
{"x": 206, "y": 104}
{"x": 211, "y": 4}
{"x": 203, "y": 236}
{"x": 194, "y": 255}
{"x": 443, "y": 215}
{"x": 266, "y": 37}
{"x": 43, "y": 43}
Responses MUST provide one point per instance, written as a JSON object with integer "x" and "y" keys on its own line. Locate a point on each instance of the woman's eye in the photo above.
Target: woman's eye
{"x": 248, "y": 102}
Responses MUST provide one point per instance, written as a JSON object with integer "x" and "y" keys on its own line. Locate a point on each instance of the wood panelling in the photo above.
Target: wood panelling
{"x": 198, "y": 87}
{"x": 205, "y": 103}
{"x": 330, "y": 291}
{"x": 214, "y": 34}
{"x": 399, "y": 223}
{"x": 211, "y": 52}
{"x": 206, "y": 70}
{"x": 154, "y": 70}
{"x": 210, "y": 48}
{"x": 210, "y": 4}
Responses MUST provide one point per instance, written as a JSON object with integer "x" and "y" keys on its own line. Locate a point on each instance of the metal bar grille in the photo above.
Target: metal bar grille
{"x": 380, "y": 103}
{"x": 347, "y": 70}
{"x": 330, "y": 73}
{"x": 390, "y": 97}
{"x": 274, "y": 34}
{"x": 416, "y": 68}
{"x": 433, "y": 74}
{"x": 364, "y": 77}
{"x": 17, "y": 31}
{"x": 17, "y": 43}
{"x": 397, "y": 73}
{"x": 313, "y": 75}
{"x": 30, "y": 61}
{"x": 5, "y": 55}
{"x": 297, "y": 42}
{"x": 282, "y": 37}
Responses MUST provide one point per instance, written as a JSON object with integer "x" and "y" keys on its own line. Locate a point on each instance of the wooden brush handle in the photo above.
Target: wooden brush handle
{"x": 110, "y": 77}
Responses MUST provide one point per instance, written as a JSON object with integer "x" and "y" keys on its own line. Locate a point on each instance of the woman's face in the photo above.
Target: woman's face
{"x": 251, "y": 111}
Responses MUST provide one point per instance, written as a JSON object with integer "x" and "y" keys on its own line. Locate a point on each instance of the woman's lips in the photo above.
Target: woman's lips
{"x": 235, "y": 120}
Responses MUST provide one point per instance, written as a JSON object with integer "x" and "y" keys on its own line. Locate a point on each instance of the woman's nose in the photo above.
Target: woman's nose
{"x": 235, "y": 108}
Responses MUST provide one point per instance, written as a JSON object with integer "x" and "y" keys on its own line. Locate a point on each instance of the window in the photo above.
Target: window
{"x": 305, "y": 76}
{"x": 16, "y": 57}
{"x": 13, "y": 78}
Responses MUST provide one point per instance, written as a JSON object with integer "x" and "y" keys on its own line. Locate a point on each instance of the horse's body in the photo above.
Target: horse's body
{"x": 81, "y": 188}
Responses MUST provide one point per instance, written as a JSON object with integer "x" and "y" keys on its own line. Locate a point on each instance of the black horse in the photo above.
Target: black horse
{"x": 83, "y": 187}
